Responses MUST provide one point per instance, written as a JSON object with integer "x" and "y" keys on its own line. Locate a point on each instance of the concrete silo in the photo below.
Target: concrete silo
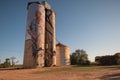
{"x": 50, "y": 37}
{"x": 62, "y": 55}
{"x": 40, "y": 41}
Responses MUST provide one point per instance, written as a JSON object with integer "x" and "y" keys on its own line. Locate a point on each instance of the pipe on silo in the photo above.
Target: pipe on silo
{"x": 54, "y": 38}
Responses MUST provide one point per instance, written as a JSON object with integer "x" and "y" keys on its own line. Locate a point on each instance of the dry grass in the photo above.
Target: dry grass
{"x": 63, "y": 73}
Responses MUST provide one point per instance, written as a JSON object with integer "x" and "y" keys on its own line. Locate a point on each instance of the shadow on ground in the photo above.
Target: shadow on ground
{"x": 111, "y": 77}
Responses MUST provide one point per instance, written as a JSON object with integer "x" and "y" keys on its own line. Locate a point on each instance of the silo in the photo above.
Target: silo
{"x": 35, "y": 35}
{"x": 62, "y": 55}
{"x": 40, "y": 42}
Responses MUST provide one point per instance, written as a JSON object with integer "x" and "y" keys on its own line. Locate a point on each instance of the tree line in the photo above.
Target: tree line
{"x": 9, "y": 62}
{"x": 108, "y": 59}
{"x": 80, "y": 57}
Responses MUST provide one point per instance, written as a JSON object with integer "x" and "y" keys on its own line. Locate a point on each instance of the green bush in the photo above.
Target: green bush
{"x": 79, "y": 57}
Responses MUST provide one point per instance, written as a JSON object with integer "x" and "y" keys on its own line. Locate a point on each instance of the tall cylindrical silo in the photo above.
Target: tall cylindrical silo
{"x": 49, "y": 37}
{"x": 35, "y": 36}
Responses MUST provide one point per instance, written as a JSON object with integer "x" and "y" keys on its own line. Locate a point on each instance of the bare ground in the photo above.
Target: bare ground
{"x": 30, "y": 74}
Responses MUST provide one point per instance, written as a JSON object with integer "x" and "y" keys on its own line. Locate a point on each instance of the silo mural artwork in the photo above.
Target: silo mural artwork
{"x": 40, "y": 41}
{"x": 35, "y": 34}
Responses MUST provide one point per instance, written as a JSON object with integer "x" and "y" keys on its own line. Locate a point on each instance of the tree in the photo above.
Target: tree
{"x": 97, "y": 59}
{"x": 6, "y": 63}
{"x": 73, "y": 58}
{"x": 12, "y": 59}
{"x": 83, "y": 57}
{"x": 79, "y": 57}
{"x": 117, "y": 58}
{"x": 108, "y": 59}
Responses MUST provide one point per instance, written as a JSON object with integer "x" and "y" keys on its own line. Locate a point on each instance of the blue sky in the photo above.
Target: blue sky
{"x": 92, "y": 25}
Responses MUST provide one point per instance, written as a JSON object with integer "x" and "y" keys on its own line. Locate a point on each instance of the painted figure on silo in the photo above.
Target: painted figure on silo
{"x": 40, "y": 36}
{"x": 32, "y": 30}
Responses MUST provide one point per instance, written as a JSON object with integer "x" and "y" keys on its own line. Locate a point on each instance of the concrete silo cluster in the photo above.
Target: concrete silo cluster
{"x": 40, "y": 42}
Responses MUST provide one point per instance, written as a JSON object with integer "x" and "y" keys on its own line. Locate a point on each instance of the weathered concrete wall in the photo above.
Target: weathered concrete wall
{"x": 62, "y": 55}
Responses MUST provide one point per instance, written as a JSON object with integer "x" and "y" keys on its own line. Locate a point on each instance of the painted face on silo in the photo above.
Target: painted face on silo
{"x": 38, "y": 17}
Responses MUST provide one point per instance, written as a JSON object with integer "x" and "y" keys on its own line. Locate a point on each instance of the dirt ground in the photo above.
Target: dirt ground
{"x": 29, "y": 74}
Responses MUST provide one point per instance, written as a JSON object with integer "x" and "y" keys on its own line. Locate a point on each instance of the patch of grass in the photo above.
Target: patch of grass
{"x": 87, "y": 68}
{"x": 113, "y": 67}
{"x": 77, "y": 68}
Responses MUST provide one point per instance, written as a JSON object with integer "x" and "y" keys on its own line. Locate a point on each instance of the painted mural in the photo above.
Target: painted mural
{"x": 40, "y": 45}
{"x": 35, "y": 31}
{"x": 49, "y": 36}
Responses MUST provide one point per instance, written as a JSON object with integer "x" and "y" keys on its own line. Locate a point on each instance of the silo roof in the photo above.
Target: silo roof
{"x": 46, "y": 5}
{"x": 60, "y": 44}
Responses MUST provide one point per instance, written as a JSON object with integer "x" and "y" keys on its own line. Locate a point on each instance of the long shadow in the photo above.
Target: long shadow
{"x": 111, "y": 77}
{"x": 114, "y": 67}
{"x": 12, "y": 68}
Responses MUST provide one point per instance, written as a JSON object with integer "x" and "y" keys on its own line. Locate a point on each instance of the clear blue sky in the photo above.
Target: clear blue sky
{"x": 92, "y": 25}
